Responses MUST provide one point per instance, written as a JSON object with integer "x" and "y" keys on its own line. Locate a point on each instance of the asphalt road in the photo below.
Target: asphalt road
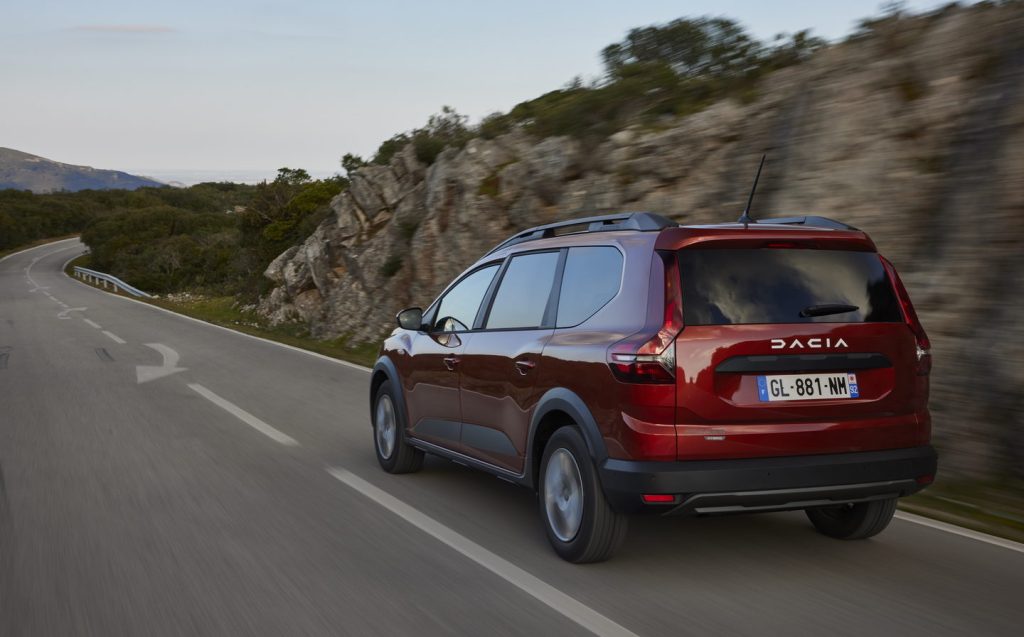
{"x": 240, "y": 496}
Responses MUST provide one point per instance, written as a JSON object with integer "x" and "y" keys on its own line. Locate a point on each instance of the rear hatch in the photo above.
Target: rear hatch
{"x": 792, "y": 348}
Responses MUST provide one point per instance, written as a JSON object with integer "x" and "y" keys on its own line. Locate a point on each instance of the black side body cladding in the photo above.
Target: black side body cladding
{"x": 561, "y": 399}
{"x": 385, "y": 366}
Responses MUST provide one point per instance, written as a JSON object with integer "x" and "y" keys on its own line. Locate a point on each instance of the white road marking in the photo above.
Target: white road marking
{"x": 568, "y": 606}
{"x": 307, "y": 352}
{"x": 146, "y": 373}
{"x": 63, "y": 314}
{"x": 941, "y": 526}
{"x": 28, "y": 268}
{"x": 959, "y": 530}
{"x": 92, "y": 323}
{"x": 244, "y": 416}
{"x": 114, "y": 337}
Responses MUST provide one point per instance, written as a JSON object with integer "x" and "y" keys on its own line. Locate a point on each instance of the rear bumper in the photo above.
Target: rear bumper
{"x": 767, "y": 484}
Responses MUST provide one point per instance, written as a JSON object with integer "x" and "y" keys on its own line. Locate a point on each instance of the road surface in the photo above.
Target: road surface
{"x": 166, "y": 477}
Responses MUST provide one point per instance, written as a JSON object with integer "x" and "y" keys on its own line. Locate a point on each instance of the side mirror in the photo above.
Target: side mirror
{"x": 410, "y": 319}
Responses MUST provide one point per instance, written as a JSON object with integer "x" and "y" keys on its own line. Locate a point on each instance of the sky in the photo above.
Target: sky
{"x": 229, "y": 89}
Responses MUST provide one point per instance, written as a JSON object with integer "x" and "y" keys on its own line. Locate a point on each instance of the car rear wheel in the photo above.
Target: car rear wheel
{"x": 853, "y": 521}
{"x": 394, "y": 454}
{"x": 580, "y": 524}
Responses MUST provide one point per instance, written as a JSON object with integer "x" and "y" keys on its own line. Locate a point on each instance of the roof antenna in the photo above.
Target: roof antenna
{"x": 745, "y": 217}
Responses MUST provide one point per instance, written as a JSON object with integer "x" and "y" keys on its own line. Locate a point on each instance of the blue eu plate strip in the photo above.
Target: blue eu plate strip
{"x": 762, "y": 388}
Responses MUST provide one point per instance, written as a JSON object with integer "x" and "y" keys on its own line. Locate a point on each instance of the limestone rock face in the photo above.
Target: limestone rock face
{"x": 916, "y": 136}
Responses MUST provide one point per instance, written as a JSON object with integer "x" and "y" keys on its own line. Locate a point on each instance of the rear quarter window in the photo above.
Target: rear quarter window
{"x": 746, "y": 286}
{"x": 591, "y": 279}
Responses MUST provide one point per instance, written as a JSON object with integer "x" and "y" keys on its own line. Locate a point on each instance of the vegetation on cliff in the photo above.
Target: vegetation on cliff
{"x": 654, "y": 74}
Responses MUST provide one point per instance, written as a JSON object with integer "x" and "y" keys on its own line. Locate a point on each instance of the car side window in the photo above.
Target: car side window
{"x": 522, "y": 295}
{"x": 591, "y": 279}
{"x": 458, "y": 308}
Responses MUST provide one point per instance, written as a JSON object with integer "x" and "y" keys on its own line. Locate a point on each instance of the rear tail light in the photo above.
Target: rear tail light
{"x": 924, "y": 346}
{"x": 650, "y": 355}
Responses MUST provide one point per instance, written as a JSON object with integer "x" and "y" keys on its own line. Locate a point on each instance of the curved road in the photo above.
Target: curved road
{"x": 234, "y": 491}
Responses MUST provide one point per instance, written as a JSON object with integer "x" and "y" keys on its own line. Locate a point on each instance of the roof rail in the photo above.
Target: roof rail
{"x": 816, "y": 222}
{"x": 642, "y": 221}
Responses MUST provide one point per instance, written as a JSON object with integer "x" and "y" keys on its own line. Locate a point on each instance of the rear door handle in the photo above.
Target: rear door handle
{"x": 524, "y": 366}
{"x": 451, "y": 361}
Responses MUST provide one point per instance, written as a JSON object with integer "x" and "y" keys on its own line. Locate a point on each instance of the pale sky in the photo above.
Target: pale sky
{"x": 236, "y": 88}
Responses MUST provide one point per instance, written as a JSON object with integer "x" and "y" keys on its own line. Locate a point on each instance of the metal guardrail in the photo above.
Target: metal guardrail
{"x": 107, "y": 280}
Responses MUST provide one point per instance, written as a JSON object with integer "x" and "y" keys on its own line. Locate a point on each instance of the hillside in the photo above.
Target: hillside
{"x": 22, "y": 171}
{"x": 912, "y": 130}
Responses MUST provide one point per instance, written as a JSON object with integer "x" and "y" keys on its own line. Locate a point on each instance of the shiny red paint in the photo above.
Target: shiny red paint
{"x": 431, "y": 389}
{"x": 719, "y": 414}
{"x": 704, "y": 414}
{"x": 499, "y": 390}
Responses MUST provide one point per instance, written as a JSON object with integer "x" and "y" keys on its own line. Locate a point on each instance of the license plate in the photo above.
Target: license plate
{"x": 807, "y": 387}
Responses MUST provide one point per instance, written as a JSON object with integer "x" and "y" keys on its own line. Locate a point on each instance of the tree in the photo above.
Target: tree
{"x": 713, "y": 47}
{"x": 351, "y": 163}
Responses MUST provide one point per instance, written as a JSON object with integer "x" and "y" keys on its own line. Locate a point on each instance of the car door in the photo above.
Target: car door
{"x": 501, "y": 363}
{"x": 432, "y": 379}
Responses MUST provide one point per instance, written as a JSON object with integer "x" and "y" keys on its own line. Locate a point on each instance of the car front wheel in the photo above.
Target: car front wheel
{"x": 394, "y": 454}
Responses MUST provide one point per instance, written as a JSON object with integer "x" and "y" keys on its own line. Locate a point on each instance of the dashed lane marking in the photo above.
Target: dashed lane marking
{"x": 244, "y": 416}
{"x": 114, "y": 337}
{"x": 537, "y": 588}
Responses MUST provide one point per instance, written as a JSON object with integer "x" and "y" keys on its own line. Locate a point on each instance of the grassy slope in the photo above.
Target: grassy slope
{"x": 223, "y": 311}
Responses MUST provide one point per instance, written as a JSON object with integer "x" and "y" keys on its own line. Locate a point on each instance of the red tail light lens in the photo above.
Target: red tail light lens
{"x": 924, "y": 346}
{"x": 647, "y": 357}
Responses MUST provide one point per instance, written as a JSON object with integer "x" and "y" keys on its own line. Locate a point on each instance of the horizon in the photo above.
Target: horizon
{"x": 229, "y": 89}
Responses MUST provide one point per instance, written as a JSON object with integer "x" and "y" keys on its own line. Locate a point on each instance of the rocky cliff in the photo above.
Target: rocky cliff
{"x": 914, "y": 132}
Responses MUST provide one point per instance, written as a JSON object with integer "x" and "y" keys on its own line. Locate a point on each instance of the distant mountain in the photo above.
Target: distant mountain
{"x": 23, "y": 171}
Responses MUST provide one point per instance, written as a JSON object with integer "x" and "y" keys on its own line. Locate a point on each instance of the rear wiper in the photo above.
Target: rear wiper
{"x": 829, "y": 308}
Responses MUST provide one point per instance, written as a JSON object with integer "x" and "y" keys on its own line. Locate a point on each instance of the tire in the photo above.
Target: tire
{"x": 394, "y": 454}
{"x": 853, "y": 521}
{"x": 591, "y": 533}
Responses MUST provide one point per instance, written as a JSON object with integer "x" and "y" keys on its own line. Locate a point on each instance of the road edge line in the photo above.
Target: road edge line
{"x": 907, "y": 517}
{"x": 220, "y": 327}
{"x": 961, "y": 531}
{"x": 562, "y": 603}
{"x": 42, "y": 245}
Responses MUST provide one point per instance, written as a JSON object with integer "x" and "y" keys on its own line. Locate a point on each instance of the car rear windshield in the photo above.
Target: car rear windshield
{"x": 772, "y": 285}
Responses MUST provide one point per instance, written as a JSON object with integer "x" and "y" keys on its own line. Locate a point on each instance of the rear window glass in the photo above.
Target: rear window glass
{"x": 727, "y": 287}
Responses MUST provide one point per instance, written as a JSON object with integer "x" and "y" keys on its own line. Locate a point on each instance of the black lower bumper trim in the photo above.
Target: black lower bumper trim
{"x": 767, "y": 484}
